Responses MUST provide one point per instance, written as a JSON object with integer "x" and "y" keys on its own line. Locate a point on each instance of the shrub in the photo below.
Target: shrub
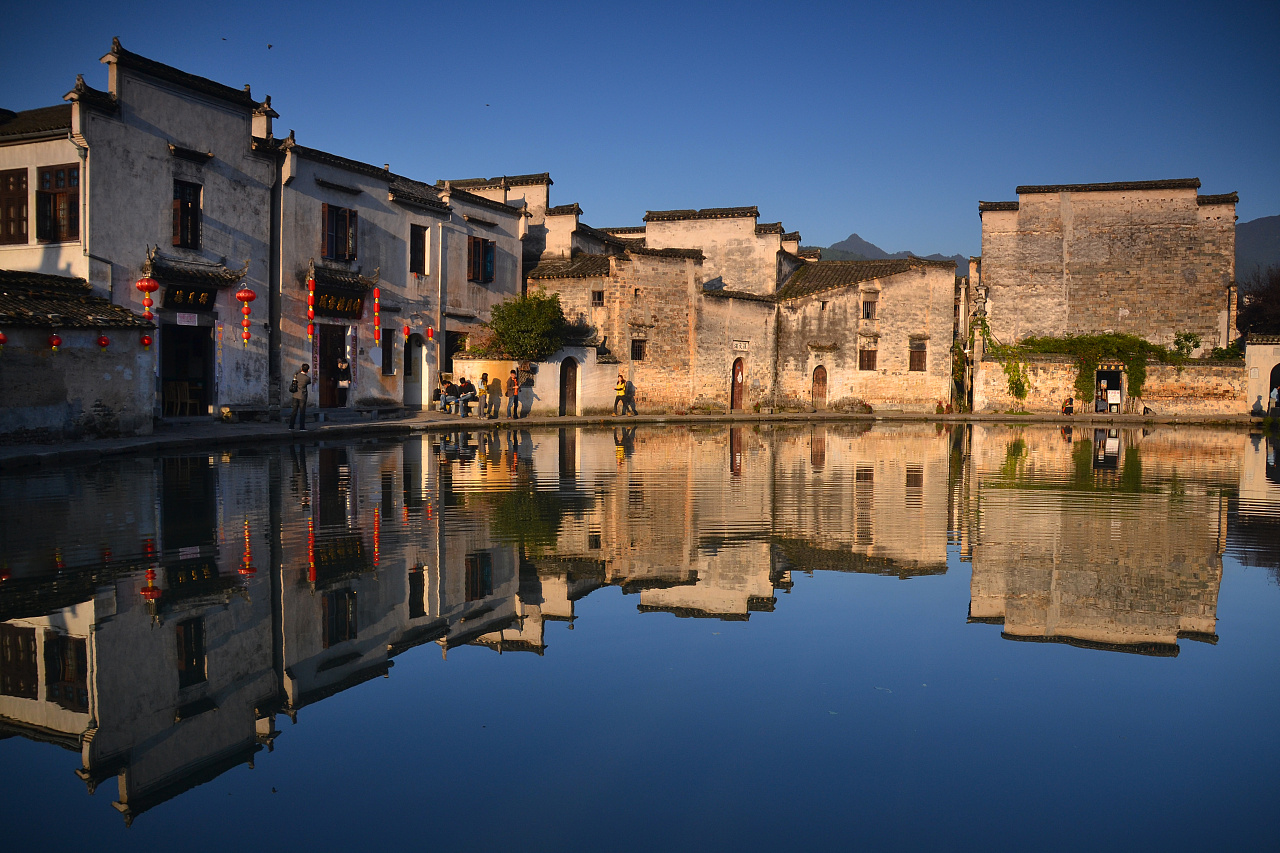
{"x": 527, "y": 328}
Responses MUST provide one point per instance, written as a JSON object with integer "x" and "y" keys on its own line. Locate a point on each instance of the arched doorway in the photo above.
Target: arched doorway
{"x": 568, "y": 387}
{"x": 736, "y": 385}
{"x": 413, "y": 372}
{"x": 818, "y": 394}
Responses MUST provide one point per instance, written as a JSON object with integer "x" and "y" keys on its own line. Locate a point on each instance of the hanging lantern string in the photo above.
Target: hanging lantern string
{"x": 245, "y": 295}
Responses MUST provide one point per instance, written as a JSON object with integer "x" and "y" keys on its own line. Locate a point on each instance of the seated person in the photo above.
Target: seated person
{"x": 466, "y": 394}
{"x": 1069, "y": 406}
{"x": 437, "y": 401}
{"x": 450, "y": 398}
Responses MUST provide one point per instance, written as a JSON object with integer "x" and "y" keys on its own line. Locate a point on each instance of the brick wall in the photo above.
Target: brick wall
{"x": 1149, "y": 263}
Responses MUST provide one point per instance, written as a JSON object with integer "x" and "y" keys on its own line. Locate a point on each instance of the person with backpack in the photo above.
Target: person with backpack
{"x": 298, "y": 391}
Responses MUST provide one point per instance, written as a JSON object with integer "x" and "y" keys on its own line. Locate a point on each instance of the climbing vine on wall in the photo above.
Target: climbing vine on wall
{"x": 1091, "y": 350}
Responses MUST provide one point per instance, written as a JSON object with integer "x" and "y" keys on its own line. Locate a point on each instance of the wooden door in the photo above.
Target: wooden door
{"x": 736, "y": 387}
{"x": 568, "y": 387}
{"x": 819, "y": 391}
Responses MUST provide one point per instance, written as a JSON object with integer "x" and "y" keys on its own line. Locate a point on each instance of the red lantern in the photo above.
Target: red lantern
{"x": 150, "y": 592}
{"x": 55, "y": 342}
{"x": 247, "y": 569}
{"x": 431, "y": 333}
{"x": 311, "y": 307}
{"x": 406, "y": 331}
{"x": 4, "y": 339}
{"x": 377, "y": 315}
{"x": 245, "y": 295}
{"x": 104, "y": 342}
{"x": 146, "y": 341}
{"x": 148, "y": 286}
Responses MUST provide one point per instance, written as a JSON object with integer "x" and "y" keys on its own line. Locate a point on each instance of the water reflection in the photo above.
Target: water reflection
{"x": 165, "y": 612}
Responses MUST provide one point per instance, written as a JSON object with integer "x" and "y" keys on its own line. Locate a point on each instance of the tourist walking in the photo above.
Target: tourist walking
{"x": 513, "y": 397}
{"x": 298, "y": 390}
{"x": 620, "y": 393}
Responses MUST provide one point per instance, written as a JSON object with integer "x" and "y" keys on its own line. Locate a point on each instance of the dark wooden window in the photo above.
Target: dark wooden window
{"x": 919, "y": 353}
{"x": 338, "y": 232}
{"x": 18, "y": 674}
{"x": 597, "y": 299}
{"x": 866, "y": 359}
{"x": 417, "y": 594}
{"x": 480, "y": 259}
{"x": 388, "y": 352}
{"x": 186, "y": 214}
{"x": 868, "y": 308}
{"x": 593, "y": 541}
{"x": 338, "y": 615}
{"x": 191, "y": 668}
{"x": 479, "y": 576}
{"x": 638, "y": 349}
{"x": 915, "y": 476}
{"x": 418, "y": 249}
{"x": 66, "y": 671}
{"x": 13, "y": 206}
{"x": 58, "y": 204}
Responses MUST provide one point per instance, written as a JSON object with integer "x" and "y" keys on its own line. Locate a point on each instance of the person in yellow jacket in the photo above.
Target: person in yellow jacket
{"x": 620, "y": 391}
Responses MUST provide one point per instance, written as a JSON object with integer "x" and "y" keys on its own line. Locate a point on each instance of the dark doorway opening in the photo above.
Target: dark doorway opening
{"x": 736, "y": 385}
{"x": 735, "y": 451}
{"x": 1109, "y": 393}
{"x": 186, "y": 369}
{"x": 331, "y": 345}
{"x": 568, "y": 387}
{"x": 454, "y": 342}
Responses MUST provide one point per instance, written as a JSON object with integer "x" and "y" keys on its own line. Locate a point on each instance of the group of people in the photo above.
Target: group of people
{"x": 455, "y": 397}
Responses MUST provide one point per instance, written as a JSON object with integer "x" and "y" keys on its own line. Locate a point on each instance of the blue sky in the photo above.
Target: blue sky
{"x": 889, "y": 120}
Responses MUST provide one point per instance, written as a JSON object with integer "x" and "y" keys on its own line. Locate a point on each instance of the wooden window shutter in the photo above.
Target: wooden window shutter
{"x": 193, "y": 217}
{"x": 177, "y": 217}
{"x": 326, "y": 232}
{"x": 351, "y": 235}
{"x": 488, "y": 260}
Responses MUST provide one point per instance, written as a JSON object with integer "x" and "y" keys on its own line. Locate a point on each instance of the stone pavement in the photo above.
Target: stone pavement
{"x": 180, "y": 433}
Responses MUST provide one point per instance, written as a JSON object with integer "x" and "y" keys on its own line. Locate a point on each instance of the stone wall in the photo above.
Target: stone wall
{"x": 1146, "y": 262}
{"x": 735, "y": 254}
{"x": 729, "y": 329}
{"x": 826, "y": 330}
{"x": 1198, "y": 388}
{"x": 80, "y": 389}
{"x": 1261, "y": 358}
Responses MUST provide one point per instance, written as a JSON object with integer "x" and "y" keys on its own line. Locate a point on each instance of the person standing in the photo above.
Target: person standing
{"x": 1275, "y": 399}
{"x": 620, "y": 394}
{"x": 298, "y": 390}
{"x": 495, "y": 398}
{"x": 513, "y": 397}
{"x": 483, "y": 399}
{"x": 343, "y": 374}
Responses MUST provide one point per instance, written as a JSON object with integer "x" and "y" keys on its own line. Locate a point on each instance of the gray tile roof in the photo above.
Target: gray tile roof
{"x": 816, "y": 276}
{"x": 1223, "y": 198}
{"x": 1121, "y": 186}
{"x": 564, "y": 210}
{"x": 578, "y": 266}
{"x": 502, "y": 180}
{"x": 55, "y": 301}
{"x": 38, "y": 122}
{"x": 705, "y": 213}
{"x": 997, "y": 205}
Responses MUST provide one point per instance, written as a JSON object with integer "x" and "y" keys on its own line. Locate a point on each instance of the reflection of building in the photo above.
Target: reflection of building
{"x": 165, "y": 683}
{"x": 1099, "y": 542}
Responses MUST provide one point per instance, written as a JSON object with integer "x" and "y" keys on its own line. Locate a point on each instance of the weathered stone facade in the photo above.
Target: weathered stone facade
{"x": 1197, "y": 388}
{"x": 1149, "y": 258}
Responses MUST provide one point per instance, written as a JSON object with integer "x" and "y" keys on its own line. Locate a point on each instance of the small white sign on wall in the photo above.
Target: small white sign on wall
{"x": 187, "y": 320}
{"x": 742, "y": 345}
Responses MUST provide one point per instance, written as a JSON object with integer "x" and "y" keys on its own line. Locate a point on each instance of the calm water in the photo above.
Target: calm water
{"x": 888, "y": 638}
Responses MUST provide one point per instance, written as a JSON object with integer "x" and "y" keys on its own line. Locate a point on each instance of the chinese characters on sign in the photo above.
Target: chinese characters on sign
{"x": 337, "y": 303}
{"x": 190, "y": 298}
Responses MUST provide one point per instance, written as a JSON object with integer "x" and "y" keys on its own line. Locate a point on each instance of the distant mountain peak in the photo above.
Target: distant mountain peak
{"x": 854, "y": 248}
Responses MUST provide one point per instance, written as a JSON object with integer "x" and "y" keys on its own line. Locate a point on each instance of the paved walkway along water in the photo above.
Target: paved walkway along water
{"x": 204, "y": 432}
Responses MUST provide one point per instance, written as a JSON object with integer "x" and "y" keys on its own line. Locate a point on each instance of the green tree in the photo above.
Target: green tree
{"x": 528, "y": 327}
